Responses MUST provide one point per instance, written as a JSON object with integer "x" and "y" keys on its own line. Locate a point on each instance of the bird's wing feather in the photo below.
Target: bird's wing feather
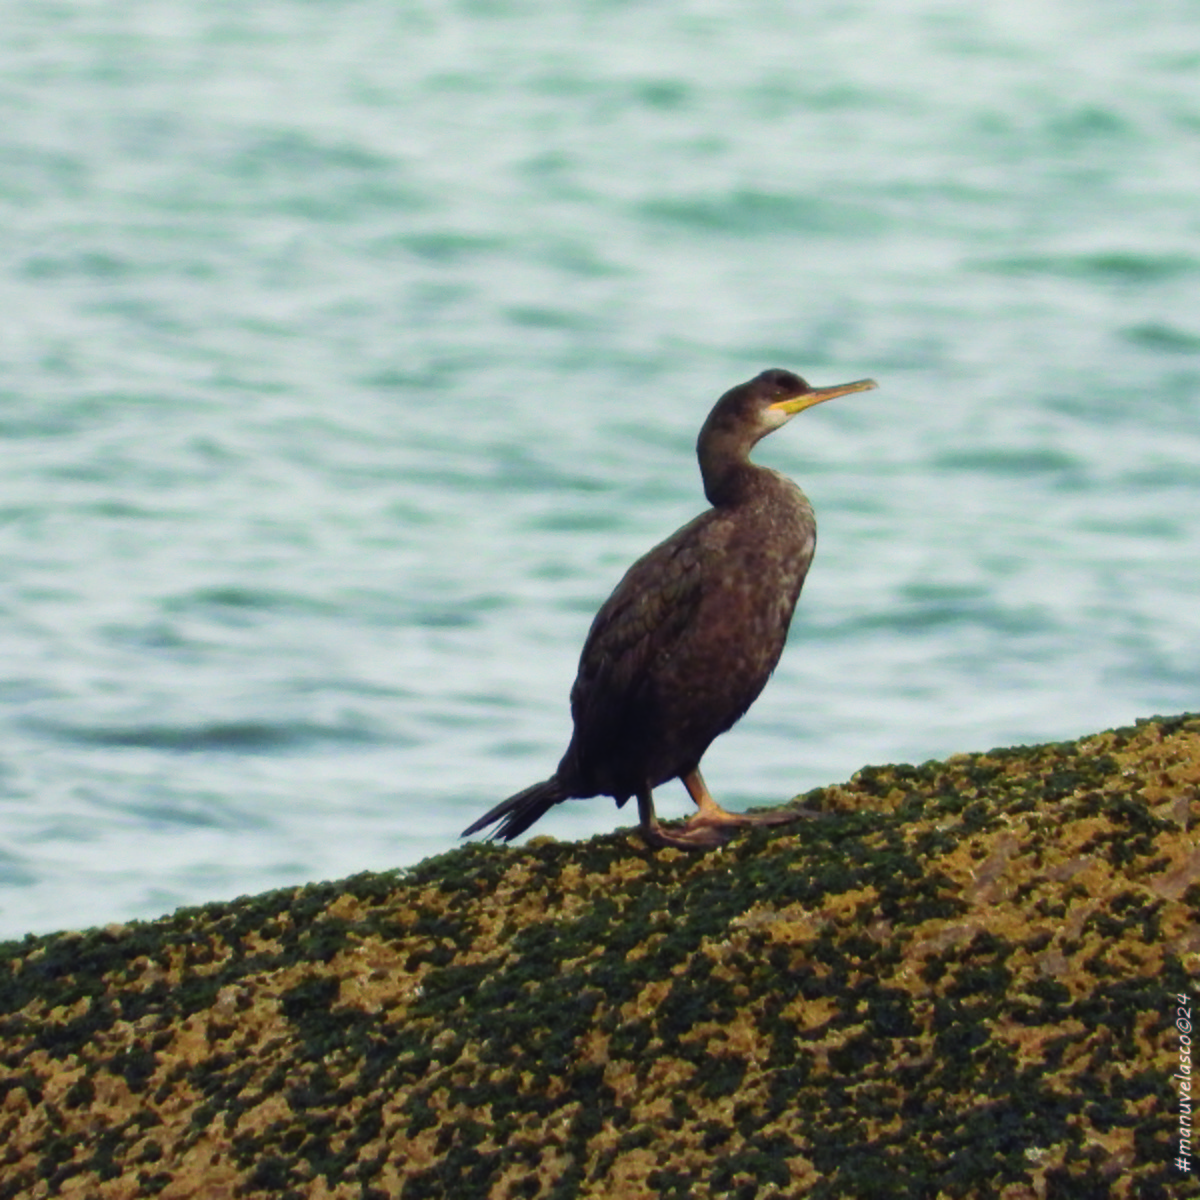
{"x": 639, "y": 625}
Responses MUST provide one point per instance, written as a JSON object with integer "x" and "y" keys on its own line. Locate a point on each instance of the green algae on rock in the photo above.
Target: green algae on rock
{"x": 960, "y": 983}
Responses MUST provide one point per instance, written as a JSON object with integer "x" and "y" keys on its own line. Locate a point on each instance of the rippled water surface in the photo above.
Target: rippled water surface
{"x": 351, "y": 351}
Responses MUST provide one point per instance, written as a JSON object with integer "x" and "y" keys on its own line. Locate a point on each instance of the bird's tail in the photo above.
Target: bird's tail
{"x": 520, "y": 811}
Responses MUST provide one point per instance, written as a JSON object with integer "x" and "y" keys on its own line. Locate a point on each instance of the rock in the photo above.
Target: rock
{"x": 964, "y": 981}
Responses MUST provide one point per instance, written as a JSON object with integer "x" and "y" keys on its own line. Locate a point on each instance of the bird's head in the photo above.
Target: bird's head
{"x": 753, "y": 409}
{"x": 749, "y": 412}
{"x": 776, "y": 396}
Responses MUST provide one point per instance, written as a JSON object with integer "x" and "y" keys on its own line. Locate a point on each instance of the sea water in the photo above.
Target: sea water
{"x": 351, "y": 351}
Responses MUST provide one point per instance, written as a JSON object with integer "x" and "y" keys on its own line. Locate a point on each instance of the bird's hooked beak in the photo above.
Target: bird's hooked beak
{"x": 817, "y": 395}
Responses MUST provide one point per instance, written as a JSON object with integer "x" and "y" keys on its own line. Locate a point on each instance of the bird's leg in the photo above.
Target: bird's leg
{"x": 712, "y": 816}
{"x": 710, "y": 812}
{"x": 702, "y": 837}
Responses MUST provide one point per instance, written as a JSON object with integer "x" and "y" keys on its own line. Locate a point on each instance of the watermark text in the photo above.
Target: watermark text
{"x": 1183, "y": 1079}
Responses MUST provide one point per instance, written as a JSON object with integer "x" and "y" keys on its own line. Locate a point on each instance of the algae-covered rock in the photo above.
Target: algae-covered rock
{"x": 961, "y": 982}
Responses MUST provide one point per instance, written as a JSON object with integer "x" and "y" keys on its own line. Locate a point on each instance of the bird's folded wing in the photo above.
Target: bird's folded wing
{"x": 640, "y": 625}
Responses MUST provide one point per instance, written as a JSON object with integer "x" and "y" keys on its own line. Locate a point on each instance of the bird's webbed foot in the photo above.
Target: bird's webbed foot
{"x": 711, "y": 825}
{"x": 688, "y": 836}
{"x": 709, "y": 812}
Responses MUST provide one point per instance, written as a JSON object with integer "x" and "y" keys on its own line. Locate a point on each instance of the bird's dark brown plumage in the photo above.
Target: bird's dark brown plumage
{"x": 690, "y": 636}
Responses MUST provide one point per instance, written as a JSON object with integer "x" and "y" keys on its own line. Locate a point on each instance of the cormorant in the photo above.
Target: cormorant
{"x": 690, "y": 636}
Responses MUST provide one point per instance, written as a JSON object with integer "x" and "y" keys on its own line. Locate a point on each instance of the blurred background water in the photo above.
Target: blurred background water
{"x": 351, "y": 351}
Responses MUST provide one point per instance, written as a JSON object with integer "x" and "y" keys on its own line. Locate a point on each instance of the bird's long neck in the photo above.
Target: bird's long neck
{"x": 725, "y": 467}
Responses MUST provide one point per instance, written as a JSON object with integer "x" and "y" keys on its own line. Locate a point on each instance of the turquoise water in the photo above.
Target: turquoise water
{"x": 351, "y": 351}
